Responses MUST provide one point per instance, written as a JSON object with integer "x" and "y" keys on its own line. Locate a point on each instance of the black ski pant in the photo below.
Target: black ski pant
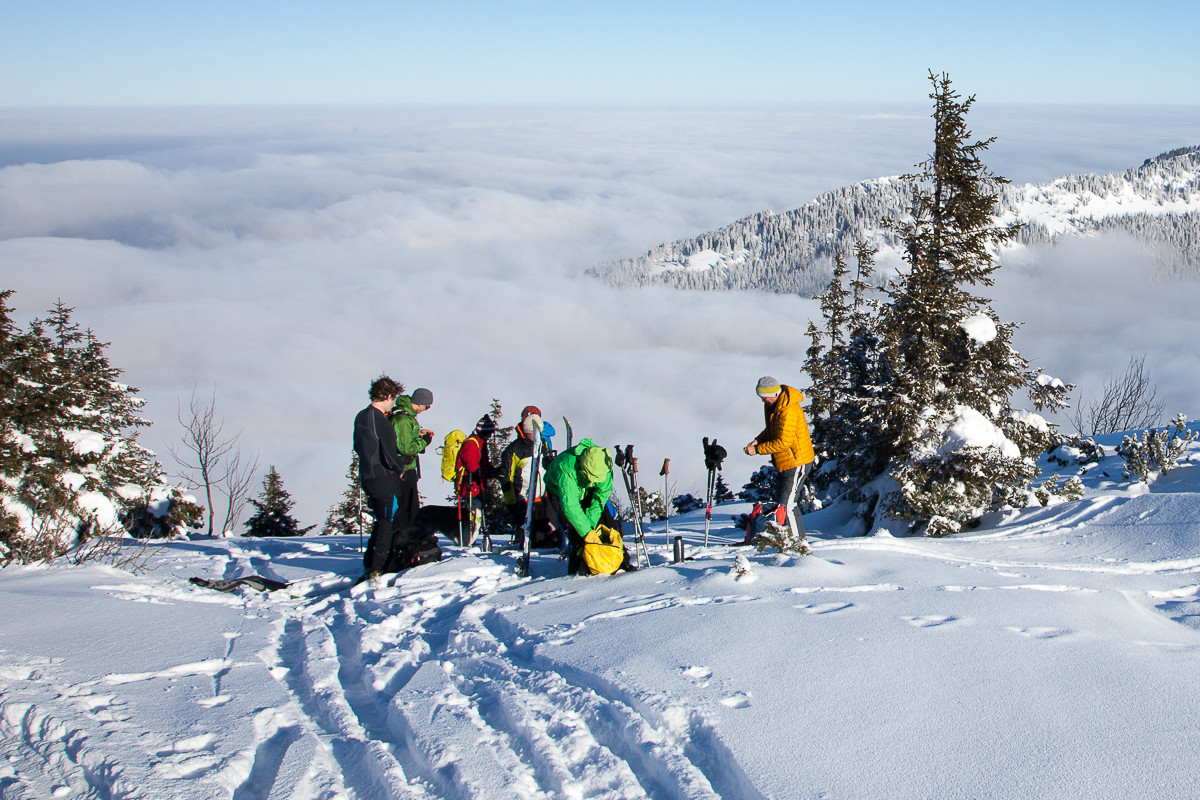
{"x": 394, "y": 504}
{"x": 791, "y": 481}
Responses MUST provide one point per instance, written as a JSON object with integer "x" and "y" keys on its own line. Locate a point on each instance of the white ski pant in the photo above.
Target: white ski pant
{"x": 790, "y": 483}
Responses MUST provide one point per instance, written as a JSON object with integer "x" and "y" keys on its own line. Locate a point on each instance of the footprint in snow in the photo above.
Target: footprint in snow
{"x": 739, "y": 700}
{"x": 698, "y": 675}
{"x": 824, "y": 608}
{"x": 929, "y": 620}
{"x": 1040, "y": 633}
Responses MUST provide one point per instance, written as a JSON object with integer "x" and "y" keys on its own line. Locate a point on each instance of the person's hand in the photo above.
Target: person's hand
{"x": 428, "y": 434}
{"x": 751, "y": 449}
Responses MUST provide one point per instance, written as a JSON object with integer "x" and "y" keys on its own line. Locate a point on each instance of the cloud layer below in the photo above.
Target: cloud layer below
{"x": 289, "y": 256}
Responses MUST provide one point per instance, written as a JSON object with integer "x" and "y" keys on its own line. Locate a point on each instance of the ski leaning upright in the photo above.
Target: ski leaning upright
{"x": 523, "y": 563}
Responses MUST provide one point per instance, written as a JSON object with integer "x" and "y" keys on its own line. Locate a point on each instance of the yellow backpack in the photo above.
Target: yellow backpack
{"x": 603, "y": 551}
{"x": 450, "y": 447}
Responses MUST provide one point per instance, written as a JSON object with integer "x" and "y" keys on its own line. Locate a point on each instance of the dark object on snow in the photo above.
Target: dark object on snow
{"x": 678, "y": 549}
{"x": 424, "y": 551}
{"x": 256, "y": 582}
{"x": 432, "y": 520}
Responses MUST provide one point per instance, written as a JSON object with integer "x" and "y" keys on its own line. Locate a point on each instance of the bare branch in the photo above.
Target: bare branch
{"x": 1129, "y": 402}
{"x": 235, "y": 485}
{"x": 205, "y": 450}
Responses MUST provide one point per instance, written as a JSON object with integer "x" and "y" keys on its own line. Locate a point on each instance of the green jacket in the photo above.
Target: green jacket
{"x": 581, "y": 502}
{"x": 408, "y": 432}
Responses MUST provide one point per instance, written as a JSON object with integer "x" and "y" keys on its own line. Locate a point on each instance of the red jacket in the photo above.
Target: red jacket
{"x": 474, "y": 467}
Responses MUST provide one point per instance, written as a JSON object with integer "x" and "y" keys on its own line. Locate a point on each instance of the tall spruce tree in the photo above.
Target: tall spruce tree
{"x": 272, "y": 515}
{"x": 958, "y": 446}
{"x": 352, "y": 514}
{"x": 921, "y": 389}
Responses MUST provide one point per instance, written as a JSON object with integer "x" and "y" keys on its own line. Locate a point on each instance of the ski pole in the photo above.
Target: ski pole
{"x": 666, "y": 472}
{"x": 639, "y": 540}
{"x": 708, "y": 506}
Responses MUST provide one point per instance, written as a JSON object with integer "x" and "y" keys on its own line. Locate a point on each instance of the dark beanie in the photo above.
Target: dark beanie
{"x": 485, "y": 427}
{"x": 422, "y": 397}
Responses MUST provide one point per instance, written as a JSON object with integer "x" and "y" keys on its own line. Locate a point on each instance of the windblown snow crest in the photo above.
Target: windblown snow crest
{"x": 1157, "y": 204}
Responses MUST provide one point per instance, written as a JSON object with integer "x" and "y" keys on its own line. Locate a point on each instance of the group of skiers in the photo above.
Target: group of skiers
{"x": 570, "y": 490}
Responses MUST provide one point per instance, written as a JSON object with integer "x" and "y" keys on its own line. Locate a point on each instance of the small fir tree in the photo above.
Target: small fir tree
{"x": 722, "y": 492}
{"x": 272, "y": 517}
{"x": 352, "y": 514}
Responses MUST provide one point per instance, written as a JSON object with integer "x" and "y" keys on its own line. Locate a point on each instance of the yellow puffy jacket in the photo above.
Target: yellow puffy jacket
{"x": 786, "y": 434}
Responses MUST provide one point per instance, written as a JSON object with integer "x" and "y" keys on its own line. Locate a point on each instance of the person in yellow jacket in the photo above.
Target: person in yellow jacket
{"x": 786, "y": 440}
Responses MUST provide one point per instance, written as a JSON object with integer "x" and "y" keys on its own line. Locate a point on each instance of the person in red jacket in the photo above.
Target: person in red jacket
{"x": 474, "y": 467}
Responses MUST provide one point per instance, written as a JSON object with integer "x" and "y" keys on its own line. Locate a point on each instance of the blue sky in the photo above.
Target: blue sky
{"x": 137, "y": 52}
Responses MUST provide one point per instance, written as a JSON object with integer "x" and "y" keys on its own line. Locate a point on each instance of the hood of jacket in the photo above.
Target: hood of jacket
{"x": 403, "y": 406}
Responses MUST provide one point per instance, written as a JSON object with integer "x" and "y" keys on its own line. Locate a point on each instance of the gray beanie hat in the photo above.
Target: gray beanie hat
{"x": 422, "y": 397}
{"x": 768, "y": 387}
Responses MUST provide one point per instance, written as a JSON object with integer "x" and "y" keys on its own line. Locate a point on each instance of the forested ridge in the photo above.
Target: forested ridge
{"x": 1157, "y": 204}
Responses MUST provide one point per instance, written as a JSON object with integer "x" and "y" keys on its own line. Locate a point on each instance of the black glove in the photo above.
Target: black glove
{"x": 714, "y": 454}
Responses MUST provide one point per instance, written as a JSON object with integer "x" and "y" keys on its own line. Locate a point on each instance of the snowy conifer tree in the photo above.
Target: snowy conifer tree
{"x": 70, "y": 462}
{"x": 272, "y": 517}
{"x": 958, "y": 446}
{"x": 352, "y": 514}
{"x": 762, "y": 487}
{"x": 920, "y": 388}
{"x": 721, "y": 492}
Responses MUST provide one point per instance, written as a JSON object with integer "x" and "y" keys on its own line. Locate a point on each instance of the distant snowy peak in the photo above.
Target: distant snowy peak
{"x": 1158, "y": 204}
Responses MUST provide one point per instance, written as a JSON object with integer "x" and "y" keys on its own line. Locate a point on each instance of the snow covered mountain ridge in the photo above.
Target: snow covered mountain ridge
{"x": 1157, "y": 204}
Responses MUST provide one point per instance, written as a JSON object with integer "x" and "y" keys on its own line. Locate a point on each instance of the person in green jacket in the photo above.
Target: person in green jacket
{"x": 578, "y": 483}
{"x": 411, "y": 441}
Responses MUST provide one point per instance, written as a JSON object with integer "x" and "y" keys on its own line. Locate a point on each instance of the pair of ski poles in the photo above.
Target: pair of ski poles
{"x": 628, "y": 466}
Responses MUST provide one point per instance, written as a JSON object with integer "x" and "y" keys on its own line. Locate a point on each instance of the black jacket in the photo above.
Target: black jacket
{"x": 375, "y": 444}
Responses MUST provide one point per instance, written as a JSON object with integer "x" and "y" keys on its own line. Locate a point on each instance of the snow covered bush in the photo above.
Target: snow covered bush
{"x": 781, "y": 538}
{"x": 70, "y": 465}
{"x": 1076, "y": 451}
{"x": 1156, "y": 451}
{"x": 917, "y": 387}
{"x": 762, "y": 487}
{"x": 684, "y": 503}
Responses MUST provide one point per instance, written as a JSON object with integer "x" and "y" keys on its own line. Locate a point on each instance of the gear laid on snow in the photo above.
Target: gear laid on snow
{"x": 256, "y": 582}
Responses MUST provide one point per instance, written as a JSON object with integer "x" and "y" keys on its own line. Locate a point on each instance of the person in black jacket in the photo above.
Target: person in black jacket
{"x": 380, "y": 466}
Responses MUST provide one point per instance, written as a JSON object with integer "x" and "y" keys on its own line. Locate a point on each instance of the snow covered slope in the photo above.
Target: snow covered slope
{"x": 1051, "y": 653}
{"x": 1158, "y": 204}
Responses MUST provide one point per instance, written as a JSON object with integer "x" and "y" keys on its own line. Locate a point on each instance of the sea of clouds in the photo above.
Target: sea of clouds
{"x": 287, "y": 256}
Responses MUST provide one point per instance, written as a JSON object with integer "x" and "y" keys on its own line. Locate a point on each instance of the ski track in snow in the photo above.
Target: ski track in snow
{"x": 420, "y": 690}
{"x": 428, "y": 689}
